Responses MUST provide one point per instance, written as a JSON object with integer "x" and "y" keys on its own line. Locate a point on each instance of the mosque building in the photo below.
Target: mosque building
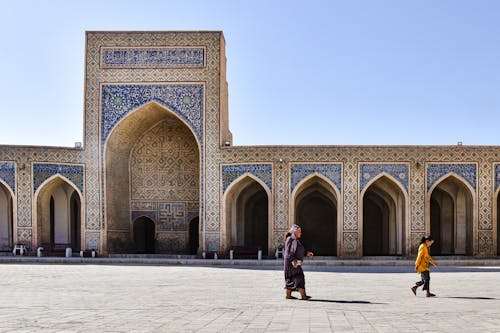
{"x": 158, "y": 173}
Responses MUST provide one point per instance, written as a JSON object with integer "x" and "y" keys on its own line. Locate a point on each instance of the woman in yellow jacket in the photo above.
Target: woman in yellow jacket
{"x": 422, "y": 265}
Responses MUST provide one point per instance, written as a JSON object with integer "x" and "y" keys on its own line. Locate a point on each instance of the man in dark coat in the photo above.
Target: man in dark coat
{"x": 293, "y": 257}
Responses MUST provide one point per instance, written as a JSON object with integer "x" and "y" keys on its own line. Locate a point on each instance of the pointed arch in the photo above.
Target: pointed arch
{"x": 318, "y": 195}
{"x": 244, "y": 190}
{"x": 144, "y": 235}
{"x": 119, "y": 169}
{"x": 456, "y": 200}
{"x": 42, "y": 214}
{"x": 8, "y": 217}
{"x": 384, "y": 215}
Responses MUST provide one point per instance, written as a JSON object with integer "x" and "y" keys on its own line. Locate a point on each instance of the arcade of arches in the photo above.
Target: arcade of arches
{"x": 158, "y": 172}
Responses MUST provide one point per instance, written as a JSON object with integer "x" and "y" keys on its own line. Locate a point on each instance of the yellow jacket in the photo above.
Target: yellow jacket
{"x": 423, "y": 259}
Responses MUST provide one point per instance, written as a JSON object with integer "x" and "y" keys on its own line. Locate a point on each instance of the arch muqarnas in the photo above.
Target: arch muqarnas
{"x": 8, "y": 227}
{"x": 383, "y": 211}
{"x": 451, "y": 206}
{"x": 241, "y": 227}
{"x": 135, "y": 174}
{"x": 316, "y": 205}
{"x": 58, "y": 212}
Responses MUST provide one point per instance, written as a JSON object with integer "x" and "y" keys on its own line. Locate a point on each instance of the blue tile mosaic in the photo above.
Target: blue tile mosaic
{"x": 43, "y": 171}
{"x": 369, "y": 171}
{"x": 158, "y": 57}
{"x": 497, "y": 176}
{"x": 466, "y": 171}
{"x": 8, "y": 174}
{"x": 185, "y": 100}
{"x": 333, "y": 172}
{"x": 262, "y": 171}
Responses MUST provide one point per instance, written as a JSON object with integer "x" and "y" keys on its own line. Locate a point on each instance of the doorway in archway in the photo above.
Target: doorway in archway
{"x": 194, "y": 236}
{"x": 144, "y": 235}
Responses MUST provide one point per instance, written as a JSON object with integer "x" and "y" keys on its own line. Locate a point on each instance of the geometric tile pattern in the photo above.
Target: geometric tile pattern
{"x": 370, "y": 171}
{"x": 333, "y": 172}
{"x": 43, "y": 171}
{"x": 92, "y": 240}
{"x": 261, "y": 171}
{"x": 185, "y": 100}
{"x": 466, "y": 171}
{"x": 8, "y": 174}
{"x": 172, "y": 216}
{"x": 157, "y": 57}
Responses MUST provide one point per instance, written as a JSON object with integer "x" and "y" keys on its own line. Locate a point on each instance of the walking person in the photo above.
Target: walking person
{"x": 422, "y": 265}
{"x": 293, "y": 257}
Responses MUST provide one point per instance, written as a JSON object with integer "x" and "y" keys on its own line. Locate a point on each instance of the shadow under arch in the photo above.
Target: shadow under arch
{"x": 496, "y": 223}
{"x": 144, "y": 235}
{"x": 384, "y": 213}
{"x": 128, "y": 171}
{"x": 247, "y": 214}
{"x": 316, "y": 206}
{"x": 8, "y": 214}
{"x": 58, "y": 212}
{"x": 451, "y": 217}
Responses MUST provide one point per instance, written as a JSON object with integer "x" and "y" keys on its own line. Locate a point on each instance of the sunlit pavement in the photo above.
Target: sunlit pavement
{"x": 155, "y": 298}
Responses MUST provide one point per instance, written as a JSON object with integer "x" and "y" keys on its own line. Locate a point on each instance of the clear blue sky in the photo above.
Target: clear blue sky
{"x": 299, "y": 72}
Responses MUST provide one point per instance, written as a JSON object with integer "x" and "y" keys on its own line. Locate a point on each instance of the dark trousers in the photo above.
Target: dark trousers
{"x": 426, "y": 278}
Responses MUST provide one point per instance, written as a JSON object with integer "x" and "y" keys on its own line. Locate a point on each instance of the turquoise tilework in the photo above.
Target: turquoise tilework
{"x": 369, "y": 171}
{"x": 332, "y": 172}
{"x": 438, "y": 170}
{"x": 261, "y": 171}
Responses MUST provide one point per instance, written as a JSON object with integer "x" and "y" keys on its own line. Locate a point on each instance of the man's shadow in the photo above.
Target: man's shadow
{"x": 341, "y": 301}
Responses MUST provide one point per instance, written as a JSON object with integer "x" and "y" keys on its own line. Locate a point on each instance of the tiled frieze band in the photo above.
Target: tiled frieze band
{"x": 261, "y": 171}
{"x": 43, "y": 171}
{"x": 369, "y": 171}
{"x": 332, "y": 172}
{"x": 152, "y": 57}
{"x": 8, "y": 174}
{"x": 497, "y": 177}
{"x": 437, "y": 170}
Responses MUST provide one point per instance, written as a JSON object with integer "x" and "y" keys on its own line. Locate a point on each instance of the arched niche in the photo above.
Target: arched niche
{"x": 194, "y": 235}
{"x": 58, "y": 214}
{"x": 6, "y": 218}
{"x": 315, "y": 207}
{"x": 144, "y": 235}
{"x": 384, "y": 214}
{"x": 247, "y": 214}
{"x": 151, "y": 162}
{"x": 451, "y": 216}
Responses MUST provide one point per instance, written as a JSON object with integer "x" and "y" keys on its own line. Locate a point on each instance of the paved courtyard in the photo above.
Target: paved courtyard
{"x": 134, "y": 298}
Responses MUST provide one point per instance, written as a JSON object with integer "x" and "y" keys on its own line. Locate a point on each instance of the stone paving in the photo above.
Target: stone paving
{"x": 149, "y": 298}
